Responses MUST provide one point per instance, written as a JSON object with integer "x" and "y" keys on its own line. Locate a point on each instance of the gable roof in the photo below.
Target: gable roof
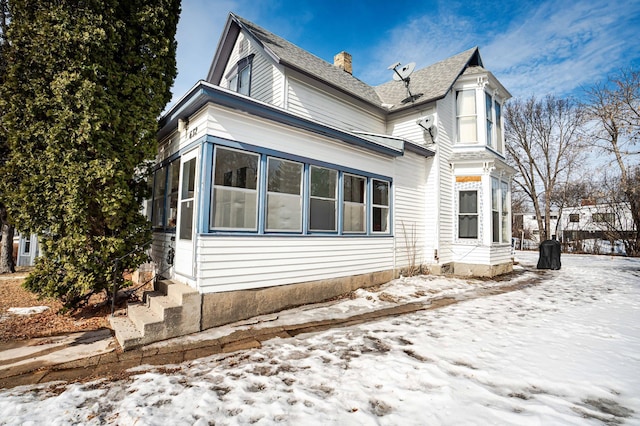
{"x": 290, "y": 55}
{"x": 431, "y": 83}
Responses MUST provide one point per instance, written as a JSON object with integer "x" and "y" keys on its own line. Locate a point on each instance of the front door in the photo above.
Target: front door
{"x": 185, "y": 229}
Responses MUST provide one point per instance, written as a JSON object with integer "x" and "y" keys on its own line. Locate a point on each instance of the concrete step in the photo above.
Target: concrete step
{"x": 164, "y": 306}
{"x": 177, "y": 291}
{"x": 144, "y": 319}
{"x": 127, "y": 334}
{"x": 171, "y": 310}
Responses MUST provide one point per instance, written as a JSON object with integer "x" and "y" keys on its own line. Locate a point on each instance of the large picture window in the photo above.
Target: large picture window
{"x": 322, "y": 199}
{"x": 354, "y": 203}
{"x": 284, "y": 195}
{"x": 468, "y": 214}
{"x": 235, "y": 195}
{"x": 380, "y": 206}
{"x": 467, "y": 116}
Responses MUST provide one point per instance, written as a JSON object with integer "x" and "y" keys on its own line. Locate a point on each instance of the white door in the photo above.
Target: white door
{"x": 186, "y": 229}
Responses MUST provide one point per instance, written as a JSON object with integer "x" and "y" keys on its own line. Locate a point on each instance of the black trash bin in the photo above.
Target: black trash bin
{"x": 549, "y": 255}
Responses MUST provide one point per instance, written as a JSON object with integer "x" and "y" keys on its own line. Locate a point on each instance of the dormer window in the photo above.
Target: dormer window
{"x": 240, "y": 76}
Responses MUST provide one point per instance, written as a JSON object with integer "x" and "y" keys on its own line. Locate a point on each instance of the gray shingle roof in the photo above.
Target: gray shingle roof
{"x": 433, "y": 82}
{"x": 289, "y": 54}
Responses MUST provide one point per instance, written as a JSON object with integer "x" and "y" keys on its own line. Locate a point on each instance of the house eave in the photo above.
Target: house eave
{"x": 203, "y": 93}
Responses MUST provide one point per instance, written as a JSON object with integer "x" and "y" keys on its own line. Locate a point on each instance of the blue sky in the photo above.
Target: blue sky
{"x": 533, "y": 47}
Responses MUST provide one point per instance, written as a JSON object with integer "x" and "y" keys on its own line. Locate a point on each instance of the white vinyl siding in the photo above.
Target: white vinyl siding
{"x": 412, "y": 207}
{"x": 267, "y": 81}
{"x": 444, "y": 189}
{"x": 239, "y": 263}
{"x": 305, "y": 101}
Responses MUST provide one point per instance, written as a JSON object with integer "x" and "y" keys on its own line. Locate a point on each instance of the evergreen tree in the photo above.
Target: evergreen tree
{"x": 85, "y": 83}
{"x": 6, "y": 228}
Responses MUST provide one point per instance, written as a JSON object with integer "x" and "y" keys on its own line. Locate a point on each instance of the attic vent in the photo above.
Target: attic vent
{"x": 243, "y": 46}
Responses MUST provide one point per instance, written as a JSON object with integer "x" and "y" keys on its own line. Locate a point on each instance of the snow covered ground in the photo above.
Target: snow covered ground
{"x": 563, "y": 351}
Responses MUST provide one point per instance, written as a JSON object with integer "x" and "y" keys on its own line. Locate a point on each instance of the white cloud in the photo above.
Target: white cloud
{"x": 560, "y": 47}
{"x": 553, "y": 47}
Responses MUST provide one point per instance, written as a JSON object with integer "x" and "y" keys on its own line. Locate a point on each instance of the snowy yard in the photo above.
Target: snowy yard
{"x": 563, "y": 351}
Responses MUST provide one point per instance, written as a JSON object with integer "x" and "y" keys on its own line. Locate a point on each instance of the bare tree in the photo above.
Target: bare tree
{"x": 544, "y": 143}
{"x": 614, "y": 108}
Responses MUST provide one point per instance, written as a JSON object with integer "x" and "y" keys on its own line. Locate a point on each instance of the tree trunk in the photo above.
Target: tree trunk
{"x": 6, "y": 250}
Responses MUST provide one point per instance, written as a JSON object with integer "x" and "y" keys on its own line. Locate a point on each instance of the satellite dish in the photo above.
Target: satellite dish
{"x": 403, "y": 73}
{"x": 427, "y": 122}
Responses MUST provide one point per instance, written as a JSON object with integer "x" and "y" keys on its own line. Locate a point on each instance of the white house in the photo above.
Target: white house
{"x": 590, "y": 227}
{"x": 283, "y": 179}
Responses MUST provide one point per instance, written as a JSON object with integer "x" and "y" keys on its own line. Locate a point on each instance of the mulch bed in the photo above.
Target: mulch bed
{"x": 49, "y": 323}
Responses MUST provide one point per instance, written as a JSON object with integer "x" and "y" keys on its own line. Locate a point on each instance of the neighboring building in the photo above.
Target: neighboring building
{"x": 590, "y": 228}
{"x": 283, "y": 179}
{"x": 25, "y": 249}
{"x": 597, "y": 228}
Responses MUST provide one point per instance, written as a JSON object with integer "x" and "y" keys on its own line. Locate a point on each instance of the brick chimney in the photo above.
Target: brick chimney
{"x": 343, "y": 60}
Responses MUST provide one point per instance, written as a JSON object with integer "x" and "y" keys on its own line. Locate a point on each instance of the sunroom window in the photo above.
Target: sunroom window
{"x": 284, "y": 195}
{"x": 380, "y": 206}
{"x": 354, "y": 203}
{"x": 323, "y": 199}
{"x": 172, "y": 196}
{"x": 159, "y": 186}
{"x": 235, "y": 194}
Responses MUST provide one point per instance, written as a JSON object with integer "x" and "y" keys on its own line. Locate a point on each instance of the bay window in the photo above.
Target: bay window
{"x": 499, "y": 139}
{"x": 235, "y": 194}
{"x": 500, "y": 209}
{"x": 467, "y": 116}
{"x": 468, "y": 214}
{"x": 489, "y": 114}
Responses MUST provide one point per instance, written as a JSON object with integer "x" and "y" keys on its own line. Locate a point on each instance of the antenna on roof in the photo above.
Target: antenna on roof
{"x": 402, "y": 74}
